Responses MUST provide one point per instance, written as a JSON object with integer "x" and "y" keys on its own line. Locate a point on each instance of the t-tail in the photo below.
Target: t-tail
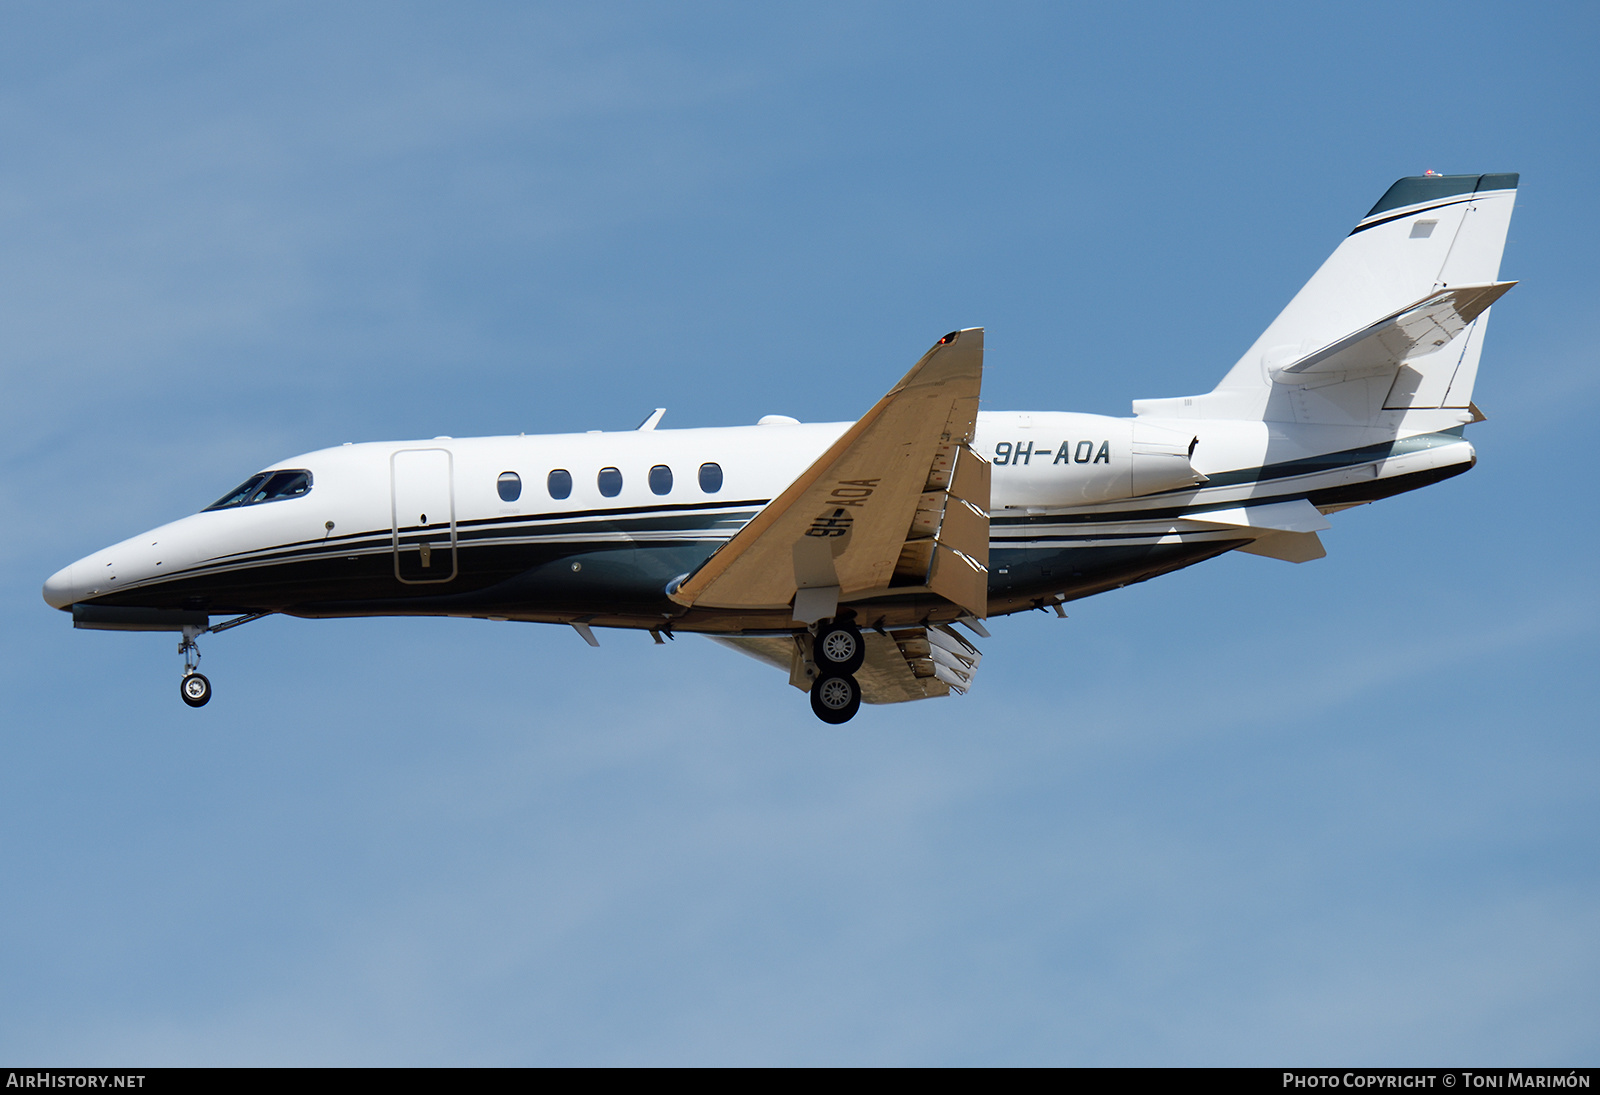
{"x": 1387, "y": 334}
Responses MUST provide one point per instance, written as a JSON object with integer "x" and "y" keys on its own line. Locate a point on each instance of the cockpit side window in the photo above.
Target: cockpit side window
{"x": 237, "y": 496}
{"x": 283, "y": 484}
{"x": 272, "y": 486}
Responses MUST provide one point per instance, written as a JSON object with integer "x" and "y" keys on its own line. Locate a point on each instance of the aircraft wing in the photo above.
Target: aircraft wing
{"x": 900, "y": 502}
{"x": 913, "y": 663}
{"x": 1415, "y": 330}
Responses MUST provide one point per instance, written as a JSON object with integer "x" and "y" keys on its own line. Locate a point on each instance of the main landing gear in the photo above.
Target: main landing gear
{"x": 837, "y": 650}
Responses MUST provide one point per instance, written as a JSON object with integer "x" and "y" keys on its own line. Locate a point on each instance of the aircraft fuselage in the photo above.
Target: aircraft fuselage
{"x": 441, "y": 527}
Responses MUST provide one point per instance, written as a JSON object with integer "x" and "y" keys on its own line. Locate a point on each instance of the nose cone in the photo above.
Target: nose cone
{"x": 60, "y": 591}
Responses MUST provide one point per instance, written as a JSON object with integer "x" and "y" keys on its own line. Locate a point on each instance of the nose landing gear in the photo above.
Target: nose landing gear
{"x": 195, "y": 687}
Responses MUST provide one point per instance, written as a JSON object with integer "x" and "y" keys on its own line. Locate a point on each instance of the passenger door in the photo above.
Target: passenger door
{"x": 423, "y": 515}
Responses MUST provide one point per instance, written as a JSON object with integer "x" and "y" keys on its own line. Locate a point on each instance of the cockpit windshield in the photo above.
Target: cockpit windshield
{"x": 269, "y": 486}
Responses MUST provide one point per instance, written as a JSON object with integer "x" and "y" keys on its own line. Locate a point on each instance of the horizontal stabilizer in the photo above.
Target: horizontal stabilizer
{"x": 1296, "y": 516}
{"x": 1415, "y": 330}
{"x": 1291, "y": 547}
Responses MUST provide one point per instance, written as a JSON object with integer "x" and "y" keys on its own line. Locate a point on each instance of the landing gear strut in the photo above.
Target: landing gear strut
{"x": 195, "y": 688}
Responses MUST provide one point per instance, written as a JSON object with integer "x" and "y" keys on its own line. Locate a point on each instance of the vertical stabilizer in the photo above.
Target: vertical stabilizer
{"x": 1428, "y": 236}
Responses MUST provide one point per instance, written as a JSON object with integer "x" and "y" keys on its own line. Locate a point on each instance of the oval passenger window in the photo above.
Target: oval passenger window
{"x": 509, "y": 485}
{"x": 660, "y": 479}
{"x": 711, "y": 478}
{"x": 560, "y": 484}
{"x": 610, "y": 480}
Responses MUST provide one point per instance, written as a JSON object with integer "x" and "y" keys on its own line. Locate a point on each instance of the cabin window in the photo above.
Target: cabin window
{"x": 509, "y": 485}
{"x": 560, "y": 484}
{"x": 610, "y": 480}
{"x": 660, "y": 479}
{"x": 271, "y": 486}
{"x": 711, "y": 478}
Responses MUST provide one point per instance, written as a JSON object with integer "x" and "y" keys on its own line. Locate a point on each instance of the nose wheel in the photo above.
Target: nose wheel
{"x": 195, "y": 689}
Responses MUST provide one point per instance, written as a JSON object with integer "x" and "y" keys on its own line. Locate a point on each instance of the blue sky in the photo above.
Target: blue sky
{"x": 1251, "y": 813}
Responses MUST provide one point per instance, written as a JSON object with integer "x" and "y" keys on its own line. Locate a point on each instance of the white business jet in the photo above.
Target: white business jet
{"x": 845, "y": 554}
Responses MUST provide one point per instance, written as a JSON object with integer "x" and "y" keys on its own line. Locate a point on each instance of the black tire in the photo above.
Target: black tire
{"x": 835, "y": 697}
{"x": 195, "y": 690}
{"x": 838, "y": 648}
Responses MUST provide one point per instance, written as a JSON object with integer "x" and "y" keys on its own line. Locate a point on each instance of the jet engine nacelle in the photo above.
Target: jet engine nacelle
{"x": 1055, "y": 459}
